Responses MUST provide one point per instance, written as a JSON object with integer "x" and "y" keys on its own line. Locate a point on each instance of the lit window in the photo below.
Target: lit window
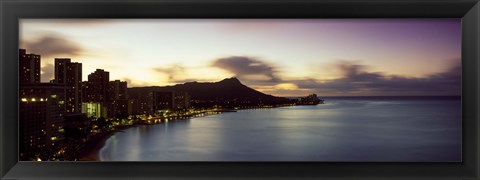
{"x": 24, "y": 100}
{"x": 33, "y": 99}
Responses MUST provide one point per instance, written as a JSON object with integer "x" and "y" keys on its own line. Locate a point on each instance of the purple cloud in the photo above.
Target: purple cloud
{"x": 243, "y": 67}
{"x": 357, "y": 81}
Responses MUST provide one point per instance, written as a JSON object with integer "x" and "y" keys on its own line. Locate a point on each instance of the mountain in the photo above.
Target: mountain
{"x": 230, "y": 89}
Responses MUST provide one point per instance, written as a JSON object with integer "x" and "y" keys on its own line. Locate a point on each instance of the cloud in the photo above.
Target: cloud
{"x": 47, "y": 73}
{"x": 356, "y": 72}
{"x": 134, "y": 83}
{"x": 53, "y": 44}
{"x": 129, "y": 82}
{"x": 172, "y": 71}
{"x": 445, "y": 83}
{"x": 248, "y": 68}
{"x": 356, "y": 80}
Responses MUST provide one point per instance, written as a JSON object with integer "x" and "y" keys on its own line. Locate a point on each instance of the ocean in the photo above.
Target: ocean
{"x": 344, "y": 129}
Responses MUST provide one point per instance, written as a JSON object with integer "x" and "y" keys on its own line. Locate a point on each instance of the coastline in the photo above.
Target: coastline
{"x": 91, "y": 150}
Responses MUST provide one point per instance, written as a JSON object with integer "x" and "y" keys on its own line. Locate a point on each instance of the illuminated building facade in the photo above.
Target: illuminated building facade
{"x": 94, "y": 109}
{"x": 42, "y": 108}
{"x": 70, "y": 74}
{"x": 95, "y": 91}
{"x": 29, "y": 67}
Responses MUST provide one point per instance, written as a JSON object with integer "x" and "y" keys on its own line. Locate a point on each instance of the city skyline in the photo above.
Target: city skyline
{"x": 377, "y": 57}
{"x": 68, "y": 118}
{"x": 81, "y": 81}
{"x": 67, "y": 115}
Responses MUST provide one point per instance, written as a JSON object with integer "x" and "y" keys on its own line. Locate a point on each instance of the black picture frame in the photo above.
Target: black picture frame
{"x": 11, "y": 11}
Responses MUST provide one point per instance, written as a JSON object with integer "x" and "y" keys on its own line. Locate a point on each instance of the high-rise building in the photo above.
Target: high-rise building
{"x": 117, "y": 90}
{"x": 93, "y": 109}
{"x": 87, "y": 91}
{"x": 181, "y": 100}
{"x": 163, "y": 100}
{"x": 97, "y": 86}
{"x": 42, "y": 110}
{"x": 141, "y": 101}
{"x": 170, "y": 100}
{"x": 96, "y": 93}
{"x": 29, "y": 67}
{"x": 70, "y": 75}
{"x": 117, "y": 98}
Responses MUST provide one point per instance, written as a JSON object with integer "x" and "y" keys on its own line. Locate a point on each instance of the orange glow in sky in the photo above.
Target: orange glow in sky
{"x": 279, "y": 57}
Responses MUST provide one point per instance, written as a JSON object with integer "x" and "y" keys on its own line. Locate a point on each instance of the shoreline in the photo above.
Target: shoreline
{"x": 91, "y": 150}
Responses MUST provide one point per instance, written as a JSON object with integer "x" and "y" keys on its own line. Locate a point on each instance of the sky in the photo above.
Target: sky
{"x": 282, "y": 57}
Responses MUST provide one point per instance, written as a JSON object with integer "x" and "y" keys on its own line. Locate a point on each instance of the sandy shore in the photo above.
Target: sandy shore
{"x": 91, "y": 150}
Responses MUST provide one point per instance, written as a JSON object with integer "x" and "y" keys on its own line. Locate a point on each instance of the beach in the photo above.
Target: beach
{"x": 91, "y": 150}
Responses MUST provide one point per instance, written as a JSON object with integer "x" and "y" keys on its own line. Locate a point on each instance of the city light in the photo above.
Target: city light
{"x": 102, "y": 111}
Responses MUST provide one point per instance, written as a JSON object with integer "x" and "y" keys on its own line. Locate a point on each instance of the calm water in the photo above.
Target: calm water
{"x": 344, "y": 129}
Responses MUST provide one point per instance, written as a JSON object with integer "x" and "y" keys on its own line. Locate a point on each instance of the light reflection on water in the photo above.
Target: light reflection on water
{"x": 341, "y": 130}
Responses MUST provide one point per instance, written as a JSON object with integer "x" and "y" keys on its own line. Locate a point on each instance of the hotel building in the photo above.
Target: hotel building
{"x": 29, "y": 67}
{"x": 95, "y": 91}
{"x": 117, "y": 99}
{"x": 42, "y": 110}
{"x": 70, "y": 75}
